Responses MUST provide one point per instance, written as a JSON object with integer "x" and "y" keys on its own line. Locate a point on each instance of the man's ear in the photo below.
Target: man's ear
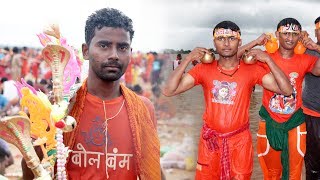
{"x": 240, "y": 42}
{"x": 277, "y": 34}
{"x": 85, "y": 51}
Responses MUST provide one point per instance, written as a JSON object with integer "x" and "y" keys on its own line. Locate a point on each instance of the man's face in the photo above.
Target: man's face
{"x": 288, "y": 40}
{"x": 317, "y": 34}
{"x": 109, "y": 53}
{"x": 227, "y": 46}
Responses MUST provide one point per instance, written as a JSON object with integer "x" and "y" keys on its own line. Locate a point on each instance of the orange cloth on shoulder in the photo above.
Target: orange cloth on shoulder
{"x": 145, "y": 138}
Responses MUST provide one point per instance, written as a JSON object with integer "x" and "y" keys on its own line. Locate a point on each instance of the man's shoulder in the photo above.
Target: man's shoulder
{"x": 150, "y": 108}
{"x": 147, "y": 102}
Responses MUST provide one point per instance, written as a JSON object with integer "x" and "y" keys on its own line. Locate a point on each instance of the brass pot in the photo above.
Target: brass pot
{"x": 207, "y": 58}
{"x": 248, "y": 59}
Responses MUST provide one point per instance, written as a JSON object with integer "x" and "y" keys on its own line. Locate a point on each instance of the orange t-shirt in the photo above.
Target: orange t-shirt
{"x": 281, "y": 107}
{"x": 88, "y": 159}
{"x": 150, "y": 59}
{"x": 25, "y": 65}
{"x": 227, "y": 99}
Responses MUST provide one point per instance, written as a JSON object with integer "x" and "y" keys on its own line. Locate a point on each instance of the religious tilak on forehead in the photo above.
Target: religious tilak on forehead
{"x": 289, "y": 28}
{"x": 221, "y": 32}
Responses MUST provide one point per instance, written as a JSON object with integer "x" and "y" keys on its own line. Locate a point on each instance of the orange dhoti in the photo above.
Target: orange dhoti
{"x": 270, "y": 159}
{"x": 240, "y": 156}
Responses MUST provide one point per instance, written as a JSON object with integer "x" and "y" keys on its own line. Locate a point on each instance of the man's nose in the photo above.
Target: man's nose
{"x": 226, "y": 42}
{"x": 114, "y": 53}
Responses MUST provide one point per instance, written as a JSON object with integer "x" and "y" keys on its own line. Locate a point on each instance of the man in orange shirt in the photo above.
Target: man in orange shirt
{"x": 225, "y": 148}
{"x": 25, "y": 61}
{"x": 282, "y": 124}
{"x": 116, "y": 135}
{"x": 311, "y": 109}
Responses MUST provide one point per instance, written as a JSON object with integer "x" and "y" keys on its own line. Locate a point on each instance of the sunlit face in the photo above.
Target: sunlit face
{"x": 227, "y": 46}
{"x": 288, "y": 40}
{"x": 109, "y": 53}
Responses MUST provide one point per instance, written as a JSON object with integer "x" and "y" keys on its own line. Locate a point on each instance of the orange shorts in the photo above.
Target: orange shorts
{"x": 270, "y": 159}
{"x": 241, "y": 158}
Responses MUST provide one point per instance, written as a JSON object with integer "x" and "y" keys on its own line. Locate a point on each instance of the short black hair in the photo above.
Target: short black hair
{"x": 107, "y": 17}
{"x": 286, "y": 21}
{"x": 15, "y": 50}
{"x": 317, "y": 20}
{"x": 137, "y": 88}
{"x": 43, "y": 82}
{"x": 30, "y": 83}
{"x": 227, "y": 25}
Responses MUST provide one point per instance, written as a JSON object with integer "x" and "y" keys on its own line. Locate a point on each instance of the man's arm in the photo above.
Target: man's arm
{"x": 310, "y": 44}
{"x": 275, "y": 81}
{"x": 261, "y": 40}
{"x": 316, "y": 68}
{"x": 179, "y": 82}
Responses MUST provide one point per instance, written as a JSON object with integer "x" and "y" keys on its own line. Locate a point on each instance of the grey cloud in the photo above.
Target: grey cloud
{"x": 262, "y": 14}
{"x": 194, "y": 20}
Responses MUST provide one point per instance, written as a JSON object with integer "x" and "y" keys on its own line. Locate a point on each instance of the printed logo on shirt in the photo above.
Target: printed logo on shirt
{"x": 223, "y": 92}
{"x": 95, "y": 135}
{"x": 285, "y": 104}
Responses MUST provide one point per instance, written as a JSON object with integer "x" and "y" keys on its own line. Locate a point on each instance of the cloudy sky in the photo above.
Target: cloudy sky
{"x": 193, "y": 20}
{"x": 159, "y": 24}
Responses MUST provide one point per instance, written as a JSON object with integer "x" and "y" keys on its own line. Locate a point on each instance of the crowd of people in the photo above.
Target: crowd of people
{"x": 17, "y": 63}
{"x": 143, "y": 74}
